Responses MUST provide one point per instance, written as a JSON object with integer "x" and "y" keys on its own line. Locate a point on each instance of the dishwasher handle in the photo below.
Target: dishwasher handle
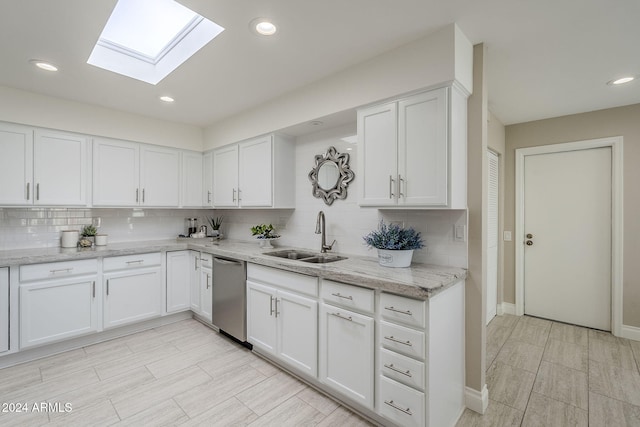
{"x": 227, "y": 262}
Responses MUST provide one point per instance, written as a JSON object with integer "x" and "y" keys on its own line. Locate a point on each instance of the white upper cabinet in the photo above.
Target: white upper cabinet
{"x": 160, "y": 176}
{"x": 116, "y": 173}
{"x": 412, "y": 152}
{"x": 225, "y": 177}
{"x": 254, "y": 173}
{"x": 207, "y": 179}
{"x": 131, "y": 174}
{"x": 50, "y": 169}
{"x": 191, "y": 195}
{"x": 16, "y": 164}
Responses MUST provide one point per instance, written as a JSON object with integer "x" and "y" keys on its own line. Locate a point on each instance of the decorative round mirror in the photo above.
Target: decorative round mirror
{"x": 331, "y": 176}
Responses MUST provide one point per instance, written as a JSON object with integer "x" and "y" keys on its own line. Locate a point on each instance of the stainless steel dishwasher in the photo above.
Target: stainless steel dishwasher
{"x": 230, "y": 297}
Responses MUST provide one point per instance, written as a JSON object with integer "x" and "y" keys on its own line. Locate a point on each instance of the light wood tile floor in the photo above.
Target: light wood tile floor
{"x": 180, "y": 374}
{"x": 543, "y": 374}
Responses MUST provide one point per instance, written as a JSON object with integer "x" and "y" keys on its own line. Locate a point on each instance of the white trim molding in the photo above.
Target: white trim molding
{"x": 630, "y": 332}
{"x": 507, "y": 308}
{"x": 616, "y": 219}
{"x": 477, "y": 401}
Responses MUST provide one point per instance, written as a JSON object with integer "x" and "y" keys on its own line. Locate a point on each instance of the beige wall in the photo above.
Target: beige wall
{"x": 19, "y": 106}
{"x": 622, "y": 121}
{"x": 496, "y": 142}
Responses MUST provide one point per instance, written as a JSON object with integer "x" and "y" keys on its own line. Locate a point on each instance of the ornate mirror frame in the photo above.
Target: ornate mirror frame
{"x": 345, "y": 176}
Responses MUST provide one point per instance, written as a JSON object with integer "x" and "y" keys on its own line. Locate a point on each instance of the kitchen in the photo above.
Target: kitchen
{"x": 346, "y": 222}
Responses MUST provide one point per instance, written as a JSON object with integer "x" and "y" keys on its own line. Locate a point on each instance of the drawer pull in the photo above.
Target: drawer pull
{"x": 407, "y": 312}
{"x": 391, "y": 338}
{"x": 393, "y": 368}
{"x": 271, "y": 305}
{"x": 337, "y": 294}
{"x": 62, "y": 270}
{"x": 138, "y": 261}
{"x": 342, "y": 317}
{"x": 394, "y": 406}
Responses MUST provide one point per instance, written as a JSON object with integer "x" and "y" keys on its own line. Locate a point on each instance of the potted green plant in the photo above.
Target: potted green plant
{"x": 89, "y": 233}
{"x": 395, "y": 244}
{"x": 215, "y": 223}
{"x": 265, "y": 233}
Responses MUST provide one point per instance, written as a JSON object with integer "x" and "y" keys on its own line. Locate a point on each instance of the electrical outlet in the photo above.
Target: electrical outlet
{"x": 97, "y": 222}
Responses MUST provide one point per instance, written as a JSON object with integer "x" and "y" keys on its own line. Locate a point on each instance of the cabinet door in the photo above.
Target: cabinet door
{"x": 346, "y": 353}
{"x": 377, "y": 155}
{"x": 60, "y": 169}
{"x": 160, "y": 176}
{"x": 206, "y": 294}
{"x": 298, "y": 331}
{"x": 192, "y": 180}
{"x": 57, "y": 310}
{"x": 225, "y": 177}
{"x": 16, "y": 165}
{"x": 178, "y": 283}
{"x": 255, "y": 163}
{"x": 207, "y": 179}
{"x": 194, "y": 280}
{"x": 116, "y": 173}
{"x": 261, "y": 320}
{"x": 131, "y": 297}
{"x": 4, "y": 309}
{"x": 423, "y": 149}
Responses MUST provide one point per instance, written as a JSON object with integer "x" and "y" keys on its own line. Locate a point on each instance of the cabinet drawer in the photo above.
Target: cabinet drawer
{"x": 402, "y": 369}
{"x": 403, "y": 340}
{"x": 58, "y": 269}
{"x": 283, "y": 279}
{"x": 401, "y": 404}
{"x": 206, "y": 260}
{"x": 403, "y": 310}
{"x": 348, "y": 296}
{"x": 131, "y": 261}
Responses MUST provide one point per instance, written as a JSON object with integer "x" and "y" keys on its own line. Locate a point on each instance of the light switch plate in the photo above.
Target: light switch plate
{"x": 506, "y": 236}
{"x": 460, "y": 233}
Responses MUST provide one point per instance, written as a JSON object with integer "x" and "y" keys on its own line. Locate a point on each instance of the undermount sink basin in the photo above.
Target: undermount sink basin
{"x": 310, "y": 257}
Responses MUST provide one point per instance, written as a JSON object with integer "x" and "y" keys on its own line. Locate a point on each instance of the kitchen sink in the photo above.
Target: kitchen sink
{"x": 310, "y": 257}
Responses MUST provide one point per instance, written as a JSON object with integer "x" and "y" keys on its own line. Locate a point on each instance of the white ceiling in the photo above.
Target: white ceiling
{"x": 547, "y": 58}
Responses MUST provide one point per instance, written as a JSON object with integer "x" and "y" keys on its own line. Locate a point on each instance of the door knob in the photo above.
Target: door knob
{"x": 529, "y": 236}
{"x": 529, "y": 242}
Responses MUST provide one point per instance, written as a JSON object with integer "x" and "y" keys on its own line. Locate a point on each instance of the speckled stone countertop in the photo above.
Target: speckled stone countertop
{"x": 418, "y": 281}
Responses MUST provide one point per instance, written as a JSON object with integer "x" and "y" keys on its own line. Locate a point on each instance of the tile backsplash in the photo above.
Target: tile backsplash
{"x": 346, "y": 222}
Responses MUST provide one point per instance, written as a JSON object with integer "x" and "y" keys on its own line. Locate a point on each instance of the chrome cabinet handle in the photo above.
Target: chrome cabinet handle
{"x": 391, "y": 181}
{"x": 394, "y": 406}
{"x": 271, "y": 305}
{"x": 400, "y": 181}
{"x": 393, "y": 368}
{"x": 137, "y": 192}
{"x": 208, "y": 196}
{"x": 93, "y": 286}
{"x": 337, "y": 294}
{"x": 138, "y": 261}
{"x": 208, "y": 279}
{"x": 407, "y": 312}
{"x": 195, "y": 263}
{"x": 338, "y": 315}
{"x": 391, "y": 338}
{"x": 61, "y": 270}
{"x": 277, "y": 312}
{"x": 234, "y": 195}
{"x": 107, "y": 287}
{"x": 143, "y": 195}
{"x": 28, "y": 190}
{"x": 38, "y": 191}
{"x": 239, "y": 198}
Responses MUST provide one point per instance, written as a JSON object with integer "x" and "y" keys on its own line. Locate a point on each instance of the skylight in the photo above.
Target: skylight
{"x": 148, "y": 39}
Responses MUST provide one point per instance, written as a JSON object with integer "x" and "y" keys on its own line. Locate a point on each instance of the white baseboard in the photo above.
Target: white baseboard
{"x": 475, "y": 400}
{"x": 630, "y": 332}
{"x": 508, "y": 308}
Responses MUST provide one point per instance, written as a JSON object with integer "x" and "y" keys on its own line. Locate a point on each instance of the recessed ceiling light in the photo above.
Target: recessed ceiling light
{"x": 43, "y": 65}
{"x": 621, "y": 80}
{"x": 166, "y": 99}
{"x": 263, "y": 27}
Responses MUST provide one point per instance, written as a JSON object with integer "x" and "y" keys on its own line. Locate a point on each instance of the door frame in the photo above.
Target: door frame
{"x": 615, "y": 143}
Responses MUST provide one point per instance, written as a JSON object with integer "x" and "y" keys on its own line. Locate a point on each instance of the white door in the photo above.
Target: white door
{"x": 298, "y": 331}
{"x": 492, "y": 236}
{"x": 207, "y": 179}
{"x": 178, "y": 281}
{"x": 160, "y": 176}
{"x": 132, "y": 297}
{"x": 116, "y": 173}
{"x": 567, "y": 227}
{"x": 4, "y": 309}
{"x": 225, "y": 177}
{"x": 16, "y": 165}
{"x": 194, "y": 280}
{"x": 191, "y": 195}
{"x": 261, "y": 320}
{"x": 206, "y": 294}
{"x": 255, "y": 179}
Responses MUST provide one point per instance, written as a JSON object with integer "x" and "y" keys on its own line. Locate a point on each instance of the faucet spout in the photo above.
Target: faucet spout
{"x": 320, "y": 229}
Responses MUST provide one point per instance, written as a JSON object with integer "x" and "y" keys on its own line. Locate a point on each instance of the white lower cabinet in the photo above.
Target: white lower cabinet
{"x": 401, "y": 404}
{"x": 54, "y": 309}
{"x": 4, "y": 309}
{"x": 281, "y": 323}
{"x": 194, "y": 280}
{"x": 178, "y": 281}
{"x": 206, "y": 287}
{"x": 346, "y": 353}
{"x": 132, "y": 289}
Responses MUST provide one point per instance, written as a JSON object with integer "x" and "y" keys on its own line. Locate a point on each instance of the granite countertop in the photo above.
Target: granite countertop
{"x": 418, "y": 281}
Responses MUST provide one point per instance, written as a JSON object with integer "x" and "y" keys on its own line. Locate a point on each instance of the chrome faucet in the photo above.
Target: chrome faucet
{"x": 320, "y": 229}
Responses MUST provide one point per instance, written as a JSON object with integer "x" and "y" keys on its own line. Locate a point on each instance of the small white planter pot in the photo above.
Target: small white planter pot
{"x": 395, "y": 258}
